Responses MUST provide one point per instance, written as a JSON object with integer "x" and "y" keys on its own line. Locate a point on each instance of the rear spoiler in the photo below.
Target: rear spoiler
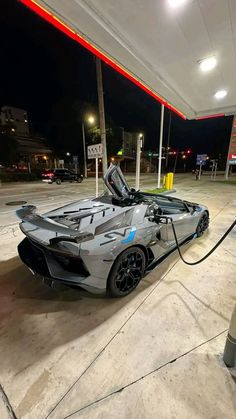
{"x": 28, "y": 214}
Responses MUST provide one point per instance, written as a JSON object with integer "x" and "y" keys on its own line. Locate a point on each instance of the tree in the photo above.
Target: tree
{"x": 66, "y": 128}
{"x": 113, "y": 137}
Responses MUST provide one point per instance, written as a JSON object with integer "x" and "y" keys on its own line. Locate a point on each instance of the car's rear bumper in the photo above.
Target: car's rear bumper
{"x": 55, "y": 267}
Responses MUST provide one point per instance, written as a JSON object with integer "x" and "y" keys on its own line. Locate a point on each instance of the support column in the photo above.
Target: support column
{"x": 84, "y": 148}
{"x": 232, "y": 147}
{"x": 168, "y": 142}
{"x": 138, "y": 163}
{"x": 230, "y": 345}
{"x": 96, "y": 164}
{"x": 160, "y": 147}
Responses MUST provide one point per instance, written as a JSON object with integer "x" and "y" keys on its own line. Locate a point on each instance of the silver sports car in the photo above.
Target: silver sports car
{"x": 107, "y": 243}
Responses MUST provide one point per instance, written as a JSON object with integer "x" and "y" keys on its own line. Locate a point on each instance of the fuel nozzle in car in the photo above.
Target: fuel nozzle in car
{"x": 163, "y": 219}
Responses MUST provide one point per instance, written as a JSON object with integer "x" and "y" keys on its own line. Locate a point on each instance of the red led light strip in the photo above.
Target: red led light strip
{"x": 45, "y": 14}
{"x": 210, "y": 116}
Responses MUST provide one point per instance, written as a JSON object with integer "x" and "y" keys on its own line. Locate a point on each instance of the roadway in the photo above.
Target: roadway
{"x": 48, "y": 196}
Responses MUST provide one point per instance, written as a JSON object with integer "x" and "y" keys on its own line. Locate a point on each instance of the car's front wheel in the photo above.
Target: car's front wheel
{"x": 202, "y": 224}
{"x": 126, "y": 273}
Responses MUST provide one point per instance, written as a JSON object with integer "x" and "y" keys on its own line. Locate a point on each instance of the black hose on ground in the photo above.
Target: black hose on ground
{"x": 209, "y": 253}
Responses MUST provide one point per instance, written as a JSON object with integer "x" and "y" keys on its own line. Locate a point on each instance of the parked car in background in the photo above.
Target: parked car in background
{"x": 61, "y": 175}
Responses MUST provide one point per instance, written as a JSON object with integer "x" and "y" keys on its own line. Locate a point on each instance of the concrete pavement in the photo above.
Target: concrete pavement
{"x": 155, "y": 353}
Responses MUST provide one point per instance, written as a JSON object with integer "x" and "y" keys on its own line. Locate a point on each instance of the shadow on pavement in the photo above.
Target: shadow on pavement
{"x": 36, "y": 319}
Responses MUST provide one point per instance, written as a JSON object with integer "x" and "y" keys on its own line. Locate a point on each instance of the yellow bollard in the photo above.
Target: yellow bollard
{"x": 169, "y": 181}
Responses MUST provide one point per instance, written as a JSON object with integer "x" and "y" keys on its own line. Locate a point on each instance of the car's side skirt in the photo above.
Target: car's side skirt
{"x": 160, "y": 259}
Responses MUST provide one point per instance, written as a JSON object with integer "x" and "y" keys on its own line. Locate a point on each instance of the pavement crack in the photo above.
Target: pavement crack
{"x": 145, "y": 375}
{"x": 208, "y": 306}
{"x": 228, "y": 251}
{"x": 222, "y": 209}
{"x": 7, "y": 404}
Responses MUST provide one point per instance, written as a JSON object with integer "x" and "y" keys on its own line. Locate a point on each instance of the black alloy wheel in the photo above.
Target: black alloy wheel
{"x": 202, "y": 224}
{"x": 126, "y": 272}
{"x": 58, "y": 181}
{"x": 79, "y": 179}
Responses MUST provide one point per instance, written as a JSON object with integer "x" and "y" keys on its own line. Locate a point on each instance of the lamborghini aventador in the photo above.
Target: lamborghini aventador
{"x": 107, "y": 243}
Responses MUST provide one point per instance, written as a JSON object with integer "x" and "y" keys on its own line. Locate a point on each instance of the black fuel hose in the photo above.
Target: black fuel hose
{"x": 209, "y": 253}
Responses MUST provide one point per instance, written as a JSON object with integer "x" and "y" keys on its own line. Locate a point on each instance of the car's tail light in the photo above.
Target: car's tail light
{"x": 50, "y": 174}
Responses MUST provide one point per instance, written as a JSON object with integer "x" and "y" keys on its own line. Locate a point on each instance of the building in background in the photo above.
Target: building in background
{"x": 129, "y": 146}
{"x": 16, "y": 119}
{"x": 126, "y": 156}
{"x": 31, "y": 148}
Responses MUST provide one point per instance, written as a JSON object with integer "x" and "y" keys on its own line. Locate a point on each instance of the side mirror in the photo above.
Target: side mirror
{"x": 160, "y": 219}
{"x": 192, "y": 210}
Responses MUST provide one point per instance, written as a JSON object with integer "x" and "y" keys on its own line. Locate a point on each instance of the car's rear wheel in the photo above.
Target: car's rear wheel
{"x": 58, "y": 181}
{"x": 79, "y": 179}
{"x": 126, "y": 272}
{"x": 202, "y": 224}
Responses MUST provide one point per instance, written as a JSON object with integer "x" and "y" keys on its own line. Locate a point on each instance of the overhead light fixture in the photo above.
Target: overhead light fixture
{"x": 208, "y": 64}
{"x": 176, "y": 3}
{"x": 220, "y": 94}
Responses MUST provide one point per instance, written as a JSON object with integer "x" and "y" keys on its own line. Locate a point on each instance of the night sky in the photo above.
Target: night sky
{"x": 41, "y": 67}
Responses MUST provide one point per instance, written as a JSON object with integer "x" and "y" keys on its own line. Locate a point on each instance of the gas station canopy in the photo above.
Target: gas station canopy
{"x": 182, "y": 52}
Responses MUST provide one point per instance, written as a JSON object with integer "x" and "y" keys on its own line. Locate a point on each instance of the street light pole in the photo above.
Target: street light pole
{"x": 160, "y": 147}
{"x": 176, "y": 158}
{"x": 84, "y": 147}
{"x": 101, "y": 114}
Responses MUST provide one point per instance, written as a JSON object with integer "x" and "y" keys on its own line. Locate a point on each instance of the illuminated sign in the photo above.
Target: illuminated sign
{"x": 232, "y": 144}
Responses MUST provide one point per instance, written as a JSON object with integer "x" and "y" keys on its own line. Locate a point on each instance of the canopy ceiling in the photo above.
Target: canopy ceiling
{"x": 158, "y": 47}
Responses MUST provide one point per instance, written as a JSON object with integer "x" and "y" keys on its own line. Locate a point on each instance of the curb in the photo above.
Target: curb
{"x": 168, "y": 192}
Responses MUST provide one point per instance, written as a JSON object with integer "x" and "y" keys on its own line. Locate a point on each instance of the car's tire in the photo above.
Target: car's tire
{"x": 202, "y": 224}
{"x": 126, "y": 273}
{"x": 79, "y": 179}
{"x": 58, "y": 181}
